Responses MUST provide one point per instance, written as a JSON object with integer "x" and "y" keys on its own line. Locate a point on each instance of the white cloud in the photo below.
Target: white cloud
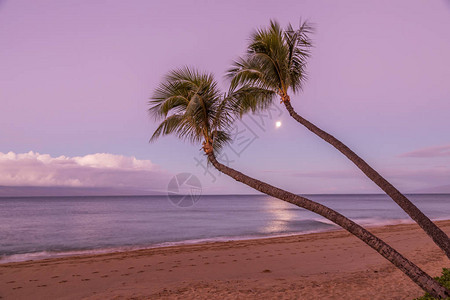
{"x": 407, "y": 178}
{"x": 106, "y": 160}
{"x": 436, "y": 151}
{"x": 93, "y": 170}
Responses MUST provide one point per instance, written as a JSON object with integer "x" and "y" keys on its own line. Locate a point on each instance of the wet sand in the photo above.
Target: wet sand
{"x": 330, "y": 265}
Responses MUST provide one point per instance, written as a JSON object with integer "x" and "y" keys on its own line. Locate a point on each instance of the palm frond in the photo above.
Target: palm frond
{"x": 220, "y": 139}
{"x": 275, "y": 59}
{"x": 248, "y": 98}
{"x": 225, "y": 114}
{"x": 191, "y": 107}
{"x": 174, "y": 124}
{"x": 299, "y": 45}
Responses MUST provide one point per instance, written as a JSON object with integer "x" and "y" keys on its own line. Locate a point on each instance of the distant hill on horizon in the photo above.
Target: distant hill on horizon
{"x": 40, "y": 191}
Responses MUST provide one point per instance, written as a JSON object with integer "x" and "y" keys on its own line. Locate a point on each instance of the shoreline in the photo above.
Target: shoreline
{"x": 122, "y": 249}
{"x": 318, "y": 265}
{"x": 43, "y": 255}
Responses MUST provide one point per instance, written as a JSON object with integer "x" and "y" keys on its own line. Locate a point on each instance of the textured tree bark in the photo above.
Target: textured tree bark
{"x": 439, "y": 237}
{"x": 421, "y": 278}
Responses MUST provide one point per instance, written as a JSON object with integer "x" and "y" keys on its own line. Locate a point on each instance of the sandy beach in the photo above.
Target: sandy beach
{"x": 330, "y": 265}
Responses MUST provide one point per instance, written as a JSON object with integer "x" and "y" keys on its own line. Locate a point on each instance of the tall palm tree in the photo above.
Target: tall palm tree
{"x": 275, "y": 62}
{"x": 191, "y": 106}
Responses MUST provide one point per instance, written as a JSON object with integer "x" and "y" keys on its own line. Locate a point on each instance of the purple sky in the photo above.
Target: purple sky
{"x": 76, "y": 77}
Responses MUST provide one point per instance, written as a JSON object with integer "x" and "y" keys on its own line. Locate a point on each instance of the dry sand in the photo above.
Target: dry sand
{"x": 332, "y": 265}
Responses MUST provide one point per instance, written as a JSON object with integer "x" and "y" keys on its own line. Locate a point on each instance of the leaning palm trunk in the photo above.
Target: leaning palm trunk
{"x": 422, "y": 279}
{"x": 438, "y": 236}
{"x": 276, "y": 62}
{"x": 193, "y": 108}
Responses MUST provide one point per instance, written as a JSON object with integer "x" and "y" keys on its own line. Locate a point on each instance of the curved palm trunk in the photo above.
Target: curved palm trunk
{"x": 438, "y": 236}
{"x": 415, "y": 273}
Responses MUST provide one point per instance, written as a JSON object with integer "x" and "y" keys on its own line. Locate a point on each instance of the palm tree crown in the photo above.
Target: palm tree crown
{"x": 192, "y": 107}
{"x": 275, "y": 61}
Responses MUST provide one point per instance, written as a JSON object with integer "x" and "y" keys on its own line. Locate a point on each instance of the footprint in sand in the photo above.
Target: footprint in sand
{"x": 55, "y": 277}
{"x": 267, "y": 271}
{"x": 10, "y": 281}
{"x": 43, "y": 285}
{"x": 17, "y": 288}
{"x": 130, "y": 268}
{"x": 126, "y": 274}
{"x": 104, "y": 276}
{"x": 85, "y": 279}
{"x": 63, "y": 281}
{"x": 96, "y": 272}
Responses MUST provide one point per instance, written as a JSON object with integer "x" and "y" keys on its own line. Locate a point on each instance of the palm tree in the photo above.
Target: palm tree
{"x": 275, "y": 62}
{"x": 192, "y": 107}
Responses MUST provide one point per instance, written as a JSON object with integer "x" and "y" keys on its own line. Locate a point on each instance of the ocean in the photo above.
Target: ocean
{"x": 42, "y": 227}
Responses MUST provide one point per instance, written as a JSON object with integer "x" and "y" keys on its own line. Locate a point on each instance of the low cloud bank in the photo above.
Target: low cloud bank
{"x": 92, "y": 170}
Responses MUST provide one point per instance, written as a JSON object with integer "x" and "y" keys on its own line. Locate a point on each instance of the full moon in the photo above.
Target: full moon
{"x": 278, "y": 124}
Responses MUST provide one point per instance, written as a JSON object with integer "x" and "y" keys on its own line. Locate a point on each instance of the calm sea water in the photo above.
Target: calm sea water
{"x": 40, "y": 227}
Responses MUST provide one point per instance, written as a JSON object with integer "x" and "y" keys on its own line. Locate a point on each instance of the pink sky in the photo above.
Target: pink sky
{"x": 76, "y": 77}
